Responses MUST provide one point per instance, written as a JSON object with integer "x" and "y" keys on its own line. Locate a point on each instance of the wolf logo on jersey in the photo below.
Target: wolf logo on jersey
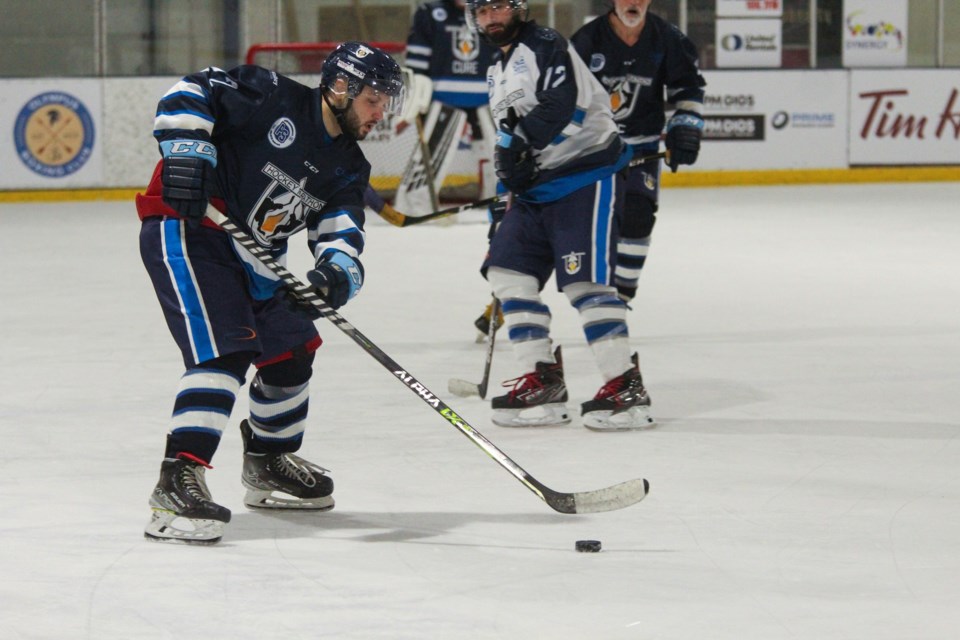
{"x": 624, "y": 91}
{"x": 277, "y": 217}
{"x": 466, "y": 46}
{"x": 282, "y": 208}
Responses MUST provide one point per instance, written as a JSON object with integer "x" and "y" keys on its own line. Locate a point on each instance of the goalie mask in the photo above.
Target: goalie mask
{"x": 360, "y": 65}
{"x": 501, "y": 35}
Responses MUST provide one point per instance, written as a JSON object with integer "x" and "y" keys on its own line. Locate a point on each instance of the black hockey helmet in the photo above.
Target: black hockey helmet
{"x": 361, "y": 64}
{"x": 519, "y": 8}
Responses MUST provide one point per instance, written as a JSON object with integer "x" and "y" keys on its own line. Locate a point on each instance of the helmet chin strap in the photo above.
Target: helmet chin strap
{"x": 338, "y": 113}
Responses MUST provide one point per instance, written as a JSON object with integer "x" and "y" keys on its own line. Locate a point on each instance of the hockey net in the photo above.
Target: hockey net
{"x": 387, "y": 151}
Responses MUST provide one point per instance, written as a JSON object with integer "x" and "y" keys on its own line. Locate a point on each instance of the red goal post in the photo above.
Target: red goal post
{"x": 386, "y": 150}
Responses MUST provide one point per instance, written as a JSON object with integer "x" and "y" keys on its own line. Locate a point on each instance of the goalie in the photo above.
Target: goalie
{"x": 447, "y": 81}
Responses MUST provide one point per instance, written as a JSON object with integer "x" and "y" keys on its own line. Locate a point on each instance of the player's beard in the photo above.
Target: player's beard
{"x": 507, "y": 34}
{"x": 352, "y": 125}
{"x": 632, "y": 19}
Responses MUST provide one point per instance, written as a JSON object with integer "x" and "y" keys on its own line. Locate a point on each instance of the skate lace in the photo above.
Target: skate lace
{"x": 298, "y": 469}
{"x": 611, "y": 389}
{"x": 527, "y": 382}
{"x": 194, "y": 482}
{"x": 621, "y": 390}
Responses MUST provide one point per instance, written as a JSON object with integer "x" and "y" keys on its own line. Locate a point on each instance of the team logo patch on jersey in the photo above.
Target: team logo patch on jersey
{"x": 624, "y": 92}
{"x": 466, "y": 43}
{"x": 573, "y": 261}
{"x": 649, "y": 181}
{"x": 282, "y": 133}
{"x": 597, "y": 62}
{"x": 520, "y": 66}
{"x": 282, "y": 208}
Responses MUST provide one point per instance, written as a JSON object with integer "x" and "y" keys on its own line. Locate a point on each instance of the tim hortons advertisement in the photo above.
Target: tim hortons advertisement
{"x": 749, "y": 8}
{"x": 905, "y": 117}
{"x": 782, "y": 120}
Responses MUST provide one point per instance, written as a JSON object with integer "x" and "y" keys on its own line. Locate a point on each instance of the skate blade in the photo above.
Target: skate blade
{"x": 634, "y": 419}
{"x": 166, "y": 526}
{"x": 262, "y": 499}
{"x": 547, "y": 415}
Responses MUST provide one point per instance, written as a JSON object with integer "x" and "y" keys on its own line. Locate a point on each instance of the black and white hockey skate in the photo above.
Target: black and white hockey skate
{"x": 283, "y": 480}
{"x": 536, "y": 399}
{"x": 183, "y": 510}
{"x": 620, "y": 405}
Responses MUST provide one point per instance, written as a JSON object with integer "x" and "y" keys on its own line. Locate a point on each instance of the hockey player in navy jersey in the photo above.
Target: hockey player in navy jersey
{"x": 642, "y": 60}
{"x": 276, "y": 157}
{"x": 560, "y": 154}
{"x": 450, "y": 86}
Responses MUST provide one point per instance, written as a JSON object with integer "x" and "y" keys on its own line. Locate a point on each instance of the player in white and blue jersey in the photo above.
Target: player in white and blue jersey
{"x": 560, "y": 155}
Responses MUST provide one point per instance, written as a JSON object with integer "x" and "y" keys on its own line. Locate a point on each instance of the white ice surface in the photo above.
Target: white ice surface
{"x": 801, "y": 346}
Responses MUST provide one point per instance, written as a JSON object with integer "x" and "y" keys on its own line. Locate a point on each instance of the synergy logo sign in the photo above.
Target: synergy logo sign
{"x": 875, "y": 33}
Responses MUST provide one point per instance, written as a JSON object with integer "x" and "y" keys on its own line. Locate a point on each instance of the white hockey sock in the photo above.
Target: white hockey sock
{"x": 205, "y": 398}
{"x": 604, "y": 319}
{"x": 278, "y": 414}
{"x": 526, "y": 319}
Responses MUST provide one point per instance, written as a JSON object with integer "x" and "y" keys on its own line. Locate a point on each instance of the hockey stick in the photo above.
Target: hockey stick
{"x": 610, "y": 498}
{"x": 465, "y": 389}
{"x": 383, "y": 208}
{"x": 405, "y": 220}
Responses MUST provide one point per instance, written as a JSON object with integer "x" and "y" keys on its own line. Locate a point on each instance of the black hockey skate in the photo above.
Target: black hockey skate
{"x": 183, "y": 510}
{"x": 620, "y": 405}
{"x": 536, "y": 399}
{"x": 283, "y": 480}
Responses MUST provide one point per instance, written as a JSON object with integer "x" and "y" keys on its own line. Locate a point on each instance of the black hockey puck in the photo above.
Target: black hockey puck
{"x": 588, "y": 546}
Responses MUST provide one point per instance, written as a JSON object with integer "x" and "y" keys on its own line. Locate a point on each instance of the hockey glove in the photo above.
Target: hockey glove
{"x": 516, "y": 167}
{"x": 683, "y": 139}
{"x": 188, "y": 177}
{"x": 337, "y": 278}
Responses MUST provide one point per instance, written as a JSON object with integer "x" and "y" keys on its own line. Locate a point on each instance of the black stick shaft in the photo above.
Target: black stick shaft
{"x": 614, "y": 497}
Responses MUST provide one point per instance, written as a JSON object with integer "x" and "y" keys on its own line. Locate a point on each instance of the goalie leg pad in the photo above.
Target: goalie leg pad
{"x": 441, "y": 132}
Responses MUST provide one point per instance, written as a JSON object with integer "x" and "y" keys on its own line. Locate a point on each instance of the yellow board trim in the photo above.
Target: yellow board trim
{"x": 680, "y": 179}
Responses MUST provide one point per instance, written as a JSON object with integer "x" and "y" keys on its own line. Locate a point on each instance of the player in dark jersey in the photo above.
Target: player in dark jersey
{"x": 644, "y": 62}
{"x": 560, "y": 155}
{"x": 277, "y": 158}
{"x": 450, "y": 62}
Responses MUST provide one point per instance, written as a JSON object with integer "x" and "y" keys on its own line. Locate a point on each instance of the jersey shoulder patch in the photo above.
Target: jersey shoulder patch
{"x": 545, "y": 33}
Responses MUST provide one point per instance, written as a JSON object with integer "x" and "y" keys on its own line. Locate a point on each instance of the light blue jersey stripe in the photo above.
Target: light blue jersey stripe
{"x": 602, "y": 218}
{"x": 178, "y": 265}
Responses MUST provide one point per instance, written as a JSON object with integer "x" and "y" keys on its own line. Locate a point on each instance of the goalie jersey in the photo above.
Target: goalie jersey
{"x": 662, "y": 64}
{"x": 544, "y": 91}
{"x": 442, "y": 47}
{"x": 278, "y": 168}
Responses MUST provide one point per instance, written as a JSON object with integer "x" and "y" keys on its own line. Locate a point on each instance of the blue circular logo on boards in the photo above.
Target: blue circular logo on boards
{"x": 54, "y": 134}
